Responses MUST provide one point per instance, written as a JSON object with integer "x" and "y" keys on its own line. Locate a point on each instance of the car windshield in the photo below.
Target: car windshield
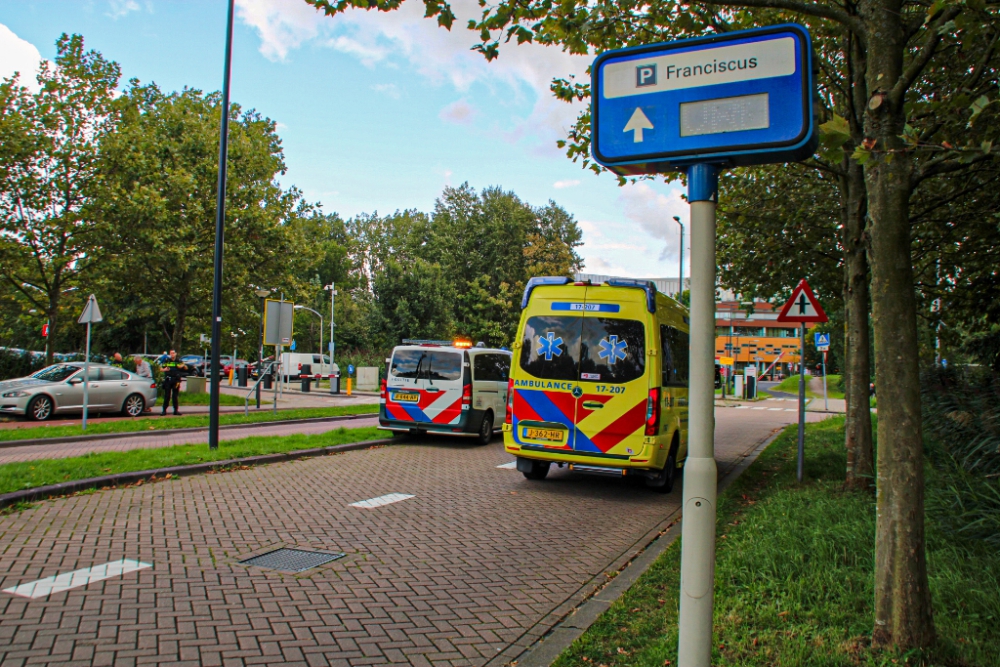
{"x": 55, "y": 373}
{"x": 596, "y": 349}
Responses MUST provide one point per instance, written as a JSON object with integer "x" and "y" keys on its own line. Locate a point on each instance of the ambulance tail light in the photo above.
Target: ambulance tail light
{"x": 382, "y": 390}
{"x": 653, "y": 412}
{"x": 466, "y": 396}
{"x": 509, "y": 418}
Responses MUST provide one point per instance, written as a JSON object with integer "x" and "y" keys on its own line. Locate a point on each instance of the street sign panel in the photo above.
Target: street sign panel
{"x": 293, "y": 345}
{"x": 330, "y": 347}
{"x": 822, "y": 341}
{"x": 45, "y": 330}
{"x": 727, "y": 361}
{"x": 802, "y": 306}
{"x": 350, "y": 369}
{"x": 91, "y": 312}
{"x": 278, "y": 319}
{"x": 738, "y": 98}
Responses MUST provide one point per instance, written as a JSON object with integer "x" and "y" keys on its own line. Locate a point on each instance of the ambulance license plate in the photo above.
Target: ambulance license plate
{"x": 406, "y": 397}
{"x": 553, "y": 435}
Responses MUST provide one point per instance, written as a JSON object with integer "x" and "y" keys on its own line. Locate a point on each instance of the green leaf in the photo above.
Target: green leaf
{"x": 861, "y": 156}
{"x": 987, "y": 146}
{"x": 978, "y": 107}
{"x": 835, "y": 132}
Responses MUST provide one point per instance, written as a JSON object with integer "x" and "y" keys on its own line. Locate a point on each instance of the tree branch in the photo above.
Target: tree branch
{"x": 854, "y": 23}
{"x": 923, "y": 56}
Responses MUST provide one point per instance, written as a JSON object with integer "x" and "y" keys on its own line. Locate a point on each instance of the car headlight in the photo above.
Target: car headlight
{"x": 15, "y": 394}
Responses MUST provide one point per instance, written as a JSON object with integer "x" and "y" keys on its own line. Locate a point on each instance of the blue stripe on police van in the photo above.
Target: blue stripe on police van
{"x": 416, "y": 413}
{"x": 586, "y": 307}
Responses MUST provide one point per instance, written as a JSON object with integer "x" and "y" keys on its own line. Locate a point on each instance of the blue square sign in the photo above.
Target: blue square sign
{"x": 734, "y": 99}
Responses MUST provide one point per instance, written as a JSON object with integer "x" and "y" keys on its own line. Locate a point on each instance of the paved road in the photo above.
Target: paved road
{"x": 12, "y": 453}
{"x": 471, "y": 567}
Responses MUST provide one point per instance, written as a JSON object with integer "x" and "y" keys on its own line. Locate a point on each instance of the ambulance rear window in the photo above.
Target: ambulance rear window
{"x": 550, "y": 349}
{"x": 614, "y": 350}
{"x": 426, "y": 365}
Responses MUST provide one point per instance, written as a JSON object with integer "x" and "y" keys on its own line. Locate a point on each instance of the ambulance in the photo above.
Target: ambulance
{"x": 599, "y": 381}
{"x": 445, "y": 387}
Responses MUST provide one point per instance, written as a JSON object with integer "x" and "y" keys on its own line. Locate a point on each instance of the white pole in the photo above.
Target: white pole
{"x": 86, "y": 379}
{"x": 700, "y": 473}
{"x": 802, "y": 403}
{"x": 826, "y": 404}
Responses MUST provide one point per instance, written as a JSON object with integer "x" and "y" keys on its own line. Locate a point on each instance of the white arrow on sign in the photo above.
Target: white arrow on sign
{"x": 637, "y": 123}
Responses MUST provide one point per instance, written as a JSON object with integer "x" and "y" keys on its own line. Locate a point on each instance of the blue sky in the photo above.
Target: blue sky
{"x": 377, "y": 112}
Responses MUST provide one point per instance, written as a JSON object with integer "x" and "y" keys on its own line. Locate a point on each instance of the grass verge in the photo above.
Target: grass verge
{"x": 31, "y": 474}
{"x": 794, "y": 579}
{"x": 184, "y": 421}
{"x": 185, "y": 398}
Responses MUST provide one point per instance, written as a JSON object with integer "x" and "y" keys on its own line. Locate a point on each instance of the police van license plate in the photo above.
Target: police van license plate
{"x": 553, "y": 435}
{"x": 406, "y": 397}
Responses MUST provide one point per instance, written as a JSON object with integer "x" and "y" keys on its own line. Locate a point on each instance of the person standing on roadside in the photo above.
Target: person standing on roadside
{"x": 174, "y": 371}
{"x": 143, "y": 370}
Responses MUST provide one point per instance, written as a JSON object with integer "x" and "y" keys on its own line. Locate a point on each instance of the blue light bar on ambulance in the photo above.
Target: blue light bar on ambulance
{"x": 645, "y": 285}
{"x": 538, "y": 281}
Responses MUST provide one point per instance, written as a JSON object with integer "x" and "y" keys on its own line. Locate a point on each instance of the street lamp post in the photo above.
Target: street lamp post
{"x": 680, "y": 282}
{"x": 332, "y": 288}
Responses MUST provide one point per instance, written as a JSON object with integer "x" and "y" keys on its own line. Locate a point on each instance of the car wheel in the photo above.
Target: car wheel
{"x": 40, "y": 408}
{"x": 539, "y": 469}
{"x": 134, "y": 405}
{"x": 664, "y": 481}
{"x": 486, "y": 429}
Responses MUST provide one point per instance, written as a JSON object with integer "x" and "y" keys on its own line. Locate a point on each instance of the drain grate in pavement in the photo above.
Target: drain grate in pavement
{"x": 292, "y": 560}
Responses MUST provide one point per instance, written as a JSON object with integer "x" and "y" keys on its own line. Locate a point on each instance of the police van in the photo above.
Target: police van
{"x": 446, "y": 387}
{"x": 600, "y": 381}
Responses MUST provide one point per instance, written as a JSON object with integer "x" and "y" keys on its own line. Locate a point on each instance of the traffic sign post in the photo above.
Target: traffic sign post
{"x": 823, "y": 344}
{"x": 91, "y": 314}
{"x": 802, "y": 307}
{"x": 700, "y": 106}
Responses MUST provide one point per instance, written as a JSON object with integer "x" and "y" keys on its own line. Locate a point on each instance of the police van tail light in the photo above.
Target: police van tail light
{"x": 509, "y": 418}
{"x": 382, "y": 390}
{"x": 466, "y": 396}
{"x": 653, "y": 412}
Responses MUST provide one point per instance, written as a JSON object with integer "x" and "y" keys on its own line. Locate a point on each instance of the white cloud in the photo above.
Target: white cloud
{"x": 18, "y": 55}
{"x": 602, "y": 266}
{"x": 439, "y": 55}
{"x": 559, "y": 185}
{"x": 653, "y": 212}
{"x": 120, "y": 8}
{"x": 388, "y": 89}
{"x": 459, "y": 112}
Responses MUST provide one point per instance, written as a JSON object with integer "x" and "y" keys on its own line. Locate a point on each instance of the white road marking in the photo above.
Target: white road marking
{"x": 790, "y": 410}
{"x": 64, "y": 582}
{"x": 742, "y": 407}
{"x": 758, "y": 408}
{"x": 387, "y": 499}
{"x": 509, "y": 466}
{"x": 777, "y": 409}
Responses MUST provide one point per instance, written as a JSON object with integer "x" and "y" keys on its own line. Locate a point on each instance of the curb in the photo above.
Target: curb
{"x": 545, "y": 649}
{"x": 106, "y": 481}
{"x": 5, "y": 444}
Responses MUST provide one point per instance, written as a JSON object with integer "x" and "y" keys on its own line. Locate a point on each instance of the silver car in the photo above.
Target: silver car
{"x": 58, "y": 389}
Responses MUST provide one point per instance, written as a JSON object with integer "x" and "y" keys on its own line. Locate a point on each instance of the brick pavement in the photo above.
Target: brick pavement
{"x": 452, "y": 576}
{"x": 12, "y": 454}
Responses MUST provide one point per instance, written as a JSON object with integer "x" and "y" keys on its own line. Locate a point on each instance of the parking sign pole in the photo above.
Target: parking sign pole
{"x": 700, "y": 473}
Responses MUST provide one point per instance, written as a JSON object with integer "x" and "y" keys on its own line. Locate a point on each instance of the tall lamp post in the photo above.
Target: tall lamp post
{"x": 680, "y": 281}
{"x": 332, "y": 288}
{"x": 220, "y": 219}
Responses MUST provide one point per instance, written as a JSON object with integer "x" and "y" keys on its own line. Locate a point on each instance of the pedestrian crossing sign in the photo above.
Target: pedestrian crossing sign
{"x": 822, "y": 342}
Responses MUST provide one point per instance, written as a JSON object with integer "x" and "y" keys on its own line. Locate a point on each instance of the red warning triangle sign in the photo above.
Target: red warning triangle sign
{"x": 802, "y": 306}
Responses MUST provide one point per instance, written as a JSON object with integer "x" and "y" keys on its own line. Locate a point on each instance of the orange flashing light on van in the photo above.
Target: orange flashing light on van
{"x": 599, "y": 381}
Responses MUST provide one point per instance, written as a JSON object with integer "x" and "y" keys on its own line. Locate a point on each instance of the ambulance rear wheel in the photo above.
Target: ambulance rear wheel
{"x": 664, "y": 481}
{"x": 539, "y": 469}
{"x": 486, "y": 429}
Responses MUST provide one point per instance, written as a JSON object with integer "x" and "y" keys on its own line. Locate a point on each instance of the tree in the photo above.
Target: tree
{"x": 412, "y": 301}
{"x": 50, "y": 236}
{"x": 909, "y": 134}
{"x": 157, "y": 197}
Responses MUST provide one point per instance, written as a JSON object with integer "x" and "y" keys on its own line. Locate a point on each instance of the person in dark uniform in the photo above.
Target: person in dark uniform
{"x": 174, "y": 371}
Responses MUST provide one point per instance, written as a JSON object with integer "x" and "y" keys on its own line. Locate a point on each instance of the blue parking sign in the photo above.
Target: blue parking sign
{"x": 350, "y": 369}
{"x": 738, "y": 98}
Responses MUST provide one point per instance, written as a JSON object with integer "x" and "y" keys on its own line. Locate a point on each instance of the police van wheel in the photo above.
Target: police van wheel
{"x": 664, "y": 481}
{"x": 486, "y": 429}
{"x": 538, "y": 470}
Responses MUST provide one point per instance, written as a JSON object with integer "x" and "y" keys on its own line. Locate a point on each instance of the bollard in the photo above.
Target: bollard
{"x": 348, "y": 386}
{"x": 241, "y": 376}
{"x": 306, "y": 383}
{"x": 335, "y": 384}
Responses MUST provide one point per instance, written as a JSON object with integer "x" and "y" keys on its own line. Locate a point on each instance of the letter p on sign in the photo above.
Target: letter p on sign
{"x": 645, "y": 75}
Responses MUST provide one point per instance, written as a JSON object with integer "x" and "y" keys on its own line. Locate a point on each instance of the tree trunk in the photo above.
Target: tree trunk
{"x": 902, "y": 599}
{"x": 53, "y": 314}
{"x": 858, "y": 438}
{"x": 177, "y": 339}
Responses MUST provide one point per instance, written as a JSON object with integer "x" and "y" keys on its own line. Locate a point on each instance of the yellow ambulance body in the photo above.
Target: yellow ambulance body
{"x": 599, "y": 381}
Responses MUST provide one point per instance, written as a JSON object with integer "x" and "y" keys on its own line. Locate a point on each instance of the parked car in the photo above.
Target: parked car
{"x": 58, "y": 389}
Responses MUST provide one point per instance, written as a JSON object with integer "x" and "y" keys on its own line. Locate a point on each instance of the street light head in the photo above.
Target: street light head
{"x": 677, "y": 218}
{"x": 262, "y": 292}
